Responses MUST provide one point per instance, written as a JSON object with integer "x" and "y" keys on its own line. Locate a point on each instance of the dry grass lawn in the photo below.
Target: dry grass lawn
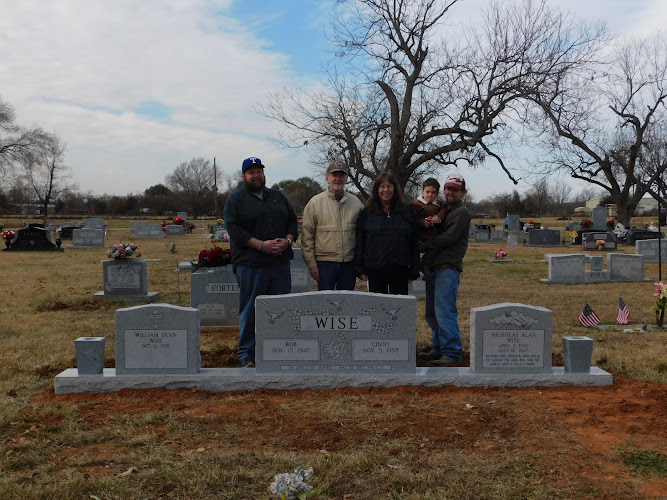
{"x": 402, "y": 443}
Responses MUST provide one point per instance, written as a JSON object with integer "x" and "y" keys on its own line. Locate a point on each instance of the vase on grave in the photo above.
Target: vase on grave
{"x": 601, "y": 246}
{"x": 659, "y": 317}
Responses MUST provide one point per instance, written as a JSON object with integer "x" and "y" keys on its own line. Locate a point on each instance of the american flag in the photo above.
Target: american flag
{"x": 588, "y": 317}
{"x": 623, "y": 312}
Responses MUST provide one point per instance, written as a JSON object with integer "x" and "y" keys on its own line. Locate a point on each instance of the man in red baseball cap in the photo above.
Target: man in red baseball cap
{"x": 442, "y": 266}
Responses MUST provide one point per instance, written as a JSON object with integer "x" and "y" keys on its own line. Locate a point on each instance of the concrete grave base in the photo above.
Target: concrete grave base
{"x": 551, "y": 282}
{"x": 245, "y": 379}
{"x": 185, "y": 266}
{"x": 149, "y": 297}
{"x": 502, "y": 260}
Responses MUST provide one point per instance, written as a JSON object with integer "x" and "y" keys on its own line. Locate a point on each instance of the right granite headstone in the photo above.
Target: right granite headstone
{"x": 510, "y": 338}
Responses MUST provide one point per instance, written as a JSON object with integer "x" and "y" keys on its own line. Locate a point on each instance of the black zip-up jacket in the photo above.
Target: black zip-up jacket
{"x": 387, "y": 242}
{"x": 450, "y": 246}
{"x": 247, "y": 216}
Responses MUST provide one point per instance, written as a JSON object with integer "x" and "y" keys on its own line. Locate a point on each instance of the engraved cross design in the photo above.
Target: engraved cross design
{"x": 156, "y": 316}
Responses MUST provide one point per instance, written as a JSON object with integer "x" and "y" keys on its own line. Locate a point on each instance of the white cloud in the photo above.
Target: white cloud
{"x": 82, "y": 67}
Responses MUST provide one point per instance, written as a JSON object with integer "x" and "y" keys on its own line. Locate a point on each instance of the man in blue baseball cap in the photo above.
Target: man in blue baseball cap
{"x": 262, "y": 226}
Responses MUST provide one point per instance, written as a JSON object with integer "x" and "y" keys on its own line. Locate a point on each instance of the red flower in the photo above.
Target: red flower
{"x": 202, "y": 256}
{"x": 214, "y": 255}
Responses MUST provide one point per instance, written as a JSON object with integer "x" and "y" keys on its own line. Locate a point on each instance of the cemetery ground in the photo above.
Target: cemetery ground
{"x": 400, "y": 443}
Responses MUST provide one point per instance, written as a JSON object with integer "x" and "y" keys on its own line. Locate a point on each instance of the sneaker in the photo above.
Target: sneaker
{"x": 445, "y": 361}
{"x": 428, "y": 356}
{"x": 247, "y": 363}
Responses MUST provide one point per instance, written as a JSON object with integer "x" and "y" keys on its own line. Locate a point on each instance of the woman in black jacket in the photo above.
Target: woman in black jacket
{"x": 387, "y": 247}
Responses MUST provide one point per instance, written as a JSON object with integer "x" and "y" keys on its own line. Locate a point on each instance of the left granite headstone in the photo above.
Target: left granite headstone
{"x": 157, "y": 339}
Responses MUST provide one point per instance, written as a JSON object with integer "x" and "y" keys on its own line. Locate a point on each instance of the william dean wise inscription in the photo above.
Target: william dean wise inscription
{"x": 156, "y": 349}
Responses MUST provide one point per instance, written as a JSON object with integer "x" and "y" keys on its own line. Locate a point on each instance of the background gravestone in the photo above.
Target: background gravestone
{"x": 417, "y": 288}
{"x": 333, "y": 332}
{"x": 126, "y": 279}
{"x": 567, "y": 268}
{"x": 215, "y": 292}
{"x": 625, "y": 267}
{"x": 150, "y": 231}
{"x": 510, "y": 338}
{"x": 136, "y": 224}
{"x": 497, "y": 235}
{"x": 513, "y": 222}
{"x": 174, "y": 230}
{"x": 590, "y": 240}
{"x": 599, "y": 218}
{"x": 66, "y": 229}
{"x": 597, "y": 263}
{"x": 544, "y": 237}
{"x": 88, "y": 238}
{"x": 482, "y": 235}
{"x": 157, "y": 339}
{"x": 512, "y": 240}
{"x": 34, "y": 237}
{"x": 184, "y": 215}
{"x": 649, "y": 249}
{"x": 93, "y": 223}
{"x": 301, "y": 280}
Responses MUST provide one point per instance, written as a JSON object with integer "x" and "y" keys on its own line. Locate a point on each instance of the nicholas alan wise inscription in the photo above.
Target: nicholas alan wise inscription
{"x": 335, "y": 332}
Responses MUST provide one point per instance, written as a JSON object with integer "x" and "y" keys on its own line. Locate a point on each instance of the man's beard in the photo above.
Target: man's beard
{"x": 255, "y": 186}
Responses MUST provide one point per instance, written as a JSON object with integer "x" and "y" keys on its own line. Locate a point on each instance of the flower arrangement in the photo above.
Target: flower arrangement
{"x": 7, "y": 234}
{"x": 219, "y": 236}
{"x": 500, "y": 254}
{"x": 215, "y": 257}
{"x": 179, "y": 220}
{"x": 572, "y": 234}
{"x": 218, "y": 221}
{"x": 620, "y": 231}
{"x": 123, "y": 251}
{"x": 586, "y": 223}
{"x": 600, "y": 242}
{"x": 292, "y": 485}
{"x": 660, "y": 301}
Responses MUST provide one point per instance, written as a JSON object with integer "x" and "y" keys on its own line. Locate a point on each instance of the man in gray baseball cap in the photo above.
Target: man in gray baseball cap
{"x": 329, "y": 232}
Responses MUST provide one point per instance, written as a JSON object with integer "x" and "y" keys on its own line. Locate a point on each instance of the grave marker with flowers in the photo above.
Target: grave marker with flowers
{"x": 177, "y": 227}
{"x": 34, "y": 237}
{"x": 213, "y": 287}
{"x": 125, "y": 275}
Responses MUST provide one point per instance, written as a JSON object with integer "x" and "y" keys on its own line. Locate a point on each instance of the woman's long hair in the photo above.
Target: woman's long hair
{"x": 397, "y": 201}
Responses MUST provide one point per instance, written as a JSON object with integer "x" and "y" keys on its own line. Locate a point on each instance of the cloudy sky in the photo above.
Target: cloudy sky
{"x": 136, "y": 87}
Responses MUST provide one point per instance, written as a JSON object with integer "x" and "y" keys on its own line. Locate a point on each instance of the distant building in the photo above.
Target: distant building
{"x": 646, "y": 205}
{"x": 35, "y": 208}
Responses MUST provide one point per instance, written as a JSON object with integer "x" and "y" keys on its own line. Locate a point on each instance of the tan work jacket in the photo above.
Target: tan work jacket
{"x": 328, "y": 230}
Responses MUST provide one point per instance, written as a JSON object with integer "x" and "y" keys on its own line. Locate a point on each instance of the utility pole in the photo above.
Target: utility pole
{"x": 215, "y": 188}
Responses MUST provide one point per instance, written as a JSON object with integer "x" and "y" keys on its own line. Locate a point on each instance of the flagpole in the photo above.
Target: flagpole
{"x": 659, "y": 236}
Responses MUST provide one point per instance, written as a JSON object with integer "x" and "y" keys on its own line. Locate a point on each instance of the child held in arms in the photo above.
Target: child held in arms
{"x": 429, "y": 212}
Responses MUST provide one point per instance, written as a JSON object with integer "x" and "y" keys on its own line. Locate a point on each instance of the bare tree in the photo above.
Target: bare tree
{"x": 18, "y": 146}
{"x": 538, "y": 200}
{"x": 46, "y": 173}
{"x": 413, "y": 102}
{"x": 599, "y": 123}
{"x": 193, "y": 183}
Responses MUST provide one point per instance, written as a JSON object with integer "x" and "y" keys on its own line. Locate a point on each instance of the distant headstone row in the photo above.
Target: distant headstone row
{"x": 571, "y": 268}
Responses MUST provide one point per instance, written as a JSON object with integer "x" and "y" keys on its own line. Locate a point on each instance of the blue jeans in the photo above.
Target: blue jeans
{"x": 254, "y": 281}
{"x": 441, "y": 314}
{"x": 336, "y": 275}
